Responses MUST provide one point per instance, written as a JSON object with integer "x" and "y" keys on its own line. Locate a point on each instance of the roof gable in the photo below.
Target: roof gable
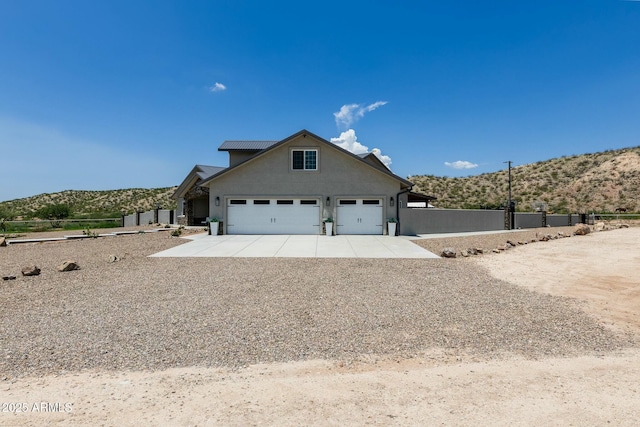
{"x": 199, "y": 173}
{"x": 304, "y": 133}
{"x": 372, "y": 158}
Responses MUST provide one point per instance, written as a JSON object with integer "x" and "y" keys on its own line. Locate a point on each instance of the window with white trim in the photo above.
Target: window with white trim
{"x": 304, "y": 160}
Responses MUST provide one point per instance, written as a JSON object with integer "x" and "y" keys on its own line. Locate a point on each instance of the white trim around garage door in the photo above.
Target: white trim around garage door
{"x": 359, "y": 215}
{"x": 281, "y": 215}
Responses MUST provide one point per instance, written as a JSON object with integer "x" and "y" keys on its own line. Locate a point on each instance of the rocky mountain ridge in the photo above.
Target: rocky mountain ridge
{"x": 596, "y": 182}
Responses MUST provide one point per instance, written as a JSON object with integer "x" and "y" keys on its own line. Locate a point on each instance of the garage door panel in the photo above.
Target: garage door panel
{"x": 279, "y": 216}
{"x": 359, "y": 216}
{"x": 246, "y": 219}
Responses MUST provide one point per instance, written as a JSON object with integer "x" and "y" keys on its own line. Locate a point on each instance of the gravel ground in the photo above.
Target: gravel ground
{"x": 154, "y": 313}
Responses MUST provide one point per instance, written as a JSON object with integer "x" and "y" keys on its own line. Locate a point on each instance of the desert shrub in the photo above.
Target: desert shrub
{"x": 54, "y": 213}
{"x": 90, "y": 233}
{"x": 6, "y": 214}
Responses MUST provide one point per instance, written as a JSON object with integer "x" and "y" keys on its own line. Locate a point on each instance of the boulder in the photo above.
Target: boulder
{"x": 623, "y": 225}
{"x": 496, "y": 251}
{"x": 600, "y": 226}
{"x": 479, "y": 250}
{"x": 465, "y": 253}
{"x": 3, "y": 241}
{"x": 512, "y": 243}
{"x": 32, "y": 270}
{"x": 68, "y": 266}
{"x": 581, "y": 230}
{"x": 448, "y": 253}
{"x": 472, "y": 251}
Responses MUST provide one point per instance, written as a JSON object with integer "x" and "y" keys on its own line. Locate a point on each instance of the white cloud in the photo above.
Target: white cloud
{"x": 375, "y": 105}
{"x": 461, "y": 164}
{"x": 218, "y": 87}
{"x": 349, "y": 141}
{"x": 351, "y": 113}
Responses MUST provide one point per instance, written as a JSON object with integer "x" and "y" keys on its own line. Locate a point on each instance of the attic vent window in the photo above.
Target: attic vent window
{"x": 304, "y": 160}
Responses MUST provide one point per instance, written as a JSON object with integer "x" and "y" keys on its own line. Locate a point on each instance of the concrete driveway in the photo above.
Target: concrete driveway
{"x": 297, "y": 246}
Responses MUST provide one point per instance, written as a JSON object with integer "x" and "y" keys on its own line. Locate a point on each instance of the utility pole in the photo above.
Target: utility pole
{"x": 510, "y": 206}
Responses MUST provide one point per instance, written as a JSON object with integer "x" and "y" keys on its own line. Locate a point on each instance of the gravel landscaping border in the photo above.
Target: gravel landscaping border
{"x": 143, "y": 313}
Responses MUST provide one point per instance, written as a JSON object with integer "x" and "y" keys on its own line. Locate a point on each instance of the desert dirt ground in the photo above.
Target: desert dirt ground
{"x": 436, "y": 386}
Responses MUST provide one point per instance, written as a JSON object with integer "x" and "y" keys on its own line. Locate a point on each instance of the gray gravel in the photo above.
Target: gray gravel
{"x": 156, "y": 313}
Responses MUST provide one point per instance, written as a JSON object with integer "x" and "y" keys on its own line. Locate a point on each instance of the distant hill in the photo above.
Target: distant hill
{"x": 93, "y": 204}
{"x": 598, "y": 182}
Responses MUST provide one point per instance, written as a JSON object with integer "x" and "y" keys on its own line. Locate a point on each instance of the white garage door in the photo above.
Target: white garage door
{"x": 359, "y": 216}
{"x": 273, "y": 216}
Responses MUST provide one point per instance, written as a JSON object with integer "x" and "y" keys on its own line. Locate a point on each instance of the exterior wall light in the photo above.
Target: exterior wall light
{"x": 391, "y": 202}
{"x": 328, "y": 201}
{"x": 217, "y": 201}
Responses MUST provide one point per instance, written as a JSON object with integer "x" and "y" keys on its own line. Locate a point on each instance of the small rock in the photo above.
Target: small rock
{"x": 113, "y": 258}
{"x": 472, "y": 251}
{"x": 3, "y": 241}
{"x": 448, "y": 253}
{"x": 496, "y": 251}
{"x": 465, "y": 253}
{"x": 512, "y": 243}
{"x": 600, "y": 226}
{"x": 480, "y": 250}
{"x": 623, "y": 226}
{"x": 8, "y": 277}
{"x": 68, "y": 266}
{"x": 561, "y": 234}
{"x": 31, "y": 271}
{"x": 581, "y": 230}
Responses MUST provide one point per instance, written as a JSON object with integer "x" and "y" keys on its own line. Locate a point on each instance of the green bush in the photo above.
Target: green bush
{"x": 55, "y": 213}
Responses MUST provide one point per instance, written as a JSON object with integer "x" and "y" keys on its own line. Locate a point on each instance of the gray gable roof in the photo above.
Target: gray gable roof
{"x": 205, "y": 171}
{"x": 246, "y": 145}
{"x": 197, "y": 174}
{"x": 371, "y": 156}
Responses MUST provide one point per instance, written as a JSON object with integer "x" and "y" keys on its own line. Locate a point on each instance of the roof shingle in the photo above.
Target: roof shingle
{"x": 246, "y": 145}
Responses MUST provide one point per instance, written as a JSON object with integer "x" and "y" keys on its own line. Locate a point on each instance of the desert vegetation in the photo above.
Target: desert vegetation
{"x": 597, "y": 182}
{"x": 81, "y": 204}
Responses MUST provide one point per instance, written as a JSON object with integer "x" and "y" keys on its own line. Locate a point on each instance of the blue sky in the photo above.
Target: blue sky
{"x": 99, "y": 95}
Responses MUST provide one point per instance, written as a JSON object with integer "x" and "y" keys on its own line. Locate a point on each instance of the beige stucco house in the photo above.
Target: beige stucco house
{"x": 291, "y": 187}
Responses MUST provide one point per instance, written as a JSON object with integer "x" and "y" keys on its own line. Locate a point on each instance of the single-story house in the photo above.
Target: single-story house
{"x": 292, "y": 186}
